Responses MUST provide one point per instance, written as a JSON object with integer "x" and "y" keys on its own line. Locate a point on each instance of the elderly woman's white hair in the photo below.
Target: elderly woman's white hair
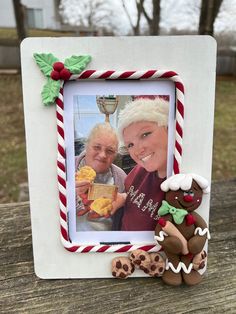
{"x": 143, "y": 109}
{"x": 184, "y": 182}
{"x": 104, "y": 128}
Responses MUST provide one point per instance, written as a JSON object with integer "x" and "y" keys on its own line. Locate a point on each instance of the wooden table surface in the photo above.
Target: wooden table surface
{"x": 22, "y": 292}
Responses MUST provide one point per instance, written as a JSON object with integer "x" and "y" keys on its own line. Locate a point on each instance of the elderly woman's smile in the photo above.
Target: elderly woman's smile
{"x": 101, "y": 151}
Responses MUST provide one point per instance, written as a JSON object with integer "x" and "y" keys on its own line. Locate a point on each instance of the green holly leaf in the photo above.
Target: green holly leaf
{"x": 50, "y": 92}
{"x": 76, "y": 64}
{"x": 45, "y": 62}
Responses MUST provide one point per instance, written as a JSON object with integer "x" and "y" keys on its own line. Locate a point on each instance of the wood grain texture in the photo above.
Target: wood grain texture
{"x": 22, "y": 292}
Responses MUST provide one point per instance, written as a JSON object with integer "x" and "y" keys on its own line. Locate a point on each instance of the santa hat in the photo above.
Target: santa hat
{"x": 143, "y": 109}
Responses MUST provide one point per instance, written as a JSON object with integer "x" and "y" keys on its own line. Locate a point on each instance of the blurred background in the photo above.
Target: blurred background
{"x": 27, "y": 18}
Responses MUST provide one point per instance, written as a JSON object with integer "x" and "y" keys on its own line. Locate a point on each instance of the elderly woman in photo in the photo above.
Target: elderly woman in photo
{"x": 100, "y": 151}
{"x": 143, "y": 130}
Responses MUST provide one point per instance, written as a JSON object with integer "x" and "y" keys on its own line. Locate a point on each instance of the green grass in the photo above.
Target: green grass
{"x": 12, "y": 149}
{"x": 11, "y": 33}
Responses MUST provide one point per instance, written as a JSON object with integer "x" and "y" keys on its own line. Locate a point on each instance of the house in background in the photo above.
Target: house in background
{"x": 41, "y": 14}
{"x": 38, "y": 14}
{"x": 44, "y": 14}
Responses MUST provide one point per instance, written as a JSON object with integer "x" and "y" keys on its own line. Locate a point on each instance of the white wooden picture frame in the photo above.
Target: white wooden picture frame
{"x": 147, "y": 58}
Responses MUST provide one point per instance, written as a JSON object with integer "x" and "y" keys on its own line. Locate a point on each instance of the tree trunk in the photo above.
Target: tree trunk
{"x": 154, "y": 29}
{"x": 135, "y": 27}
{"x": 208, "y": 14}
{"x": 20, "y": 19}
{"x": 153, "y": 22}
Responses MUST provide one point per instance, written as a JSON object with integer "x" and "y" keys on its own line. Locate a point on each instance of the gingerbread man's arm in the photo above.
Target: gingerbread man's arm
{"x": 199, "y": 221}
{"x": 167, "y": 235}
{"x": 197, "y": 242}
{"x": 159, "y": 227}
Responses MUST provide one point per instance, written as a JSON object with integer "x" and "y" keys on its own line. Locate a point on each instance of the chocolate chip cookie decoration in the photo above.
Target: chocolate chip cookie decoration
{"x": 122, "y": 267}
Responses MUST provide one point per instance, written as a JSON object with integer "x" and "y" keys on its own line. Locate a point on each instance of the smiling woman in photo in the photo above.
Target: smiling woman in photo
{"x": 143, "y": 130}
{"x": 100, "y": 151}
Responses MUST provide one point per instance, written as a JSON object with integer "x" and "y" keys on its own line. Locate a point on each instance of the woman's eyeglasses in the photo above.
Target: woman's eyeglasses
{"x": 108, "y": 151}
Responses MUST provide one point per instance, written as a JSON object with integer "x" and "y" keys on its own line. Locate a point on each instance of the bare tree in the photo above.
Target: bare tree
{"x": 208, "y": 14}
{"x": 135, "y": 26}
{"x": 19, "y": 11}
{"x": 93, "y": 14}
{"x": 154, "y": 21}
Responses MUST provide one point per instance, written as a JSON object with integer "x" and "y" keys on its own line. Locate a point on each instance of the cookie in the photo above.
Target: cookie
{"x": 102, "y": 206}
{"x": 121, "y": 267}
{"x": 141, "y": 259}
{"x": 157, "y": 265}
{"x": 85, "y": 173}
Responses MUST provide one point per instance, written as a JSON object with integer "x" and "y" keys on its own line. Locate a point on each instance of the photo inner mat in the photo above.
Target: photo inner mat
{"x": 106, "y": 87}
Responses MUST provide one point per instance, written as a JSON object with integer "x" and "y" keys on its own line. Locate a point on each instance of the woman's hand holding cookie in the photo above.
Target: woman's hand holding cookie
{"x": 83, "y": 178}
{"x": 118, "y": 202}
{"x": 82, "y": 187}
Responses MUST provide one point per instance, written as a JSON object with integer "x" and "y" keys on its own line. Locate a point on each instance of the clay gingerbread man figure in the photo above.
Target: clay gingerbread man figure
{"x": 181, "y": 231}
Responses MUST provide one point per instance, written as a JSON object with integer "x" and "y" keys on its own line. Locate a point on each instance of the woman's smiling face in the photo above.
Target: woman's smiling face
{"x": 101, "y": 151}
{"x": 147, "y": 145}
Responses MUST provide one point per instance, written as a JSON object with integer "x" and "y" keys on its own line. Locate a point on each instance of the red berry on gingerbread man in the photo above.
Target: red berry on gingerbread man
{"x": 181, "y": 231}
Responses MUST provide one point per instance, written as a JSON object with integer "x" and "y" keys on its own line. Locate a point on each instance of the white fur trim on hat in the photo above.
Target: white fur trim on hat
{"x": 143, "y": 109}
{"x": 184, "y": 182}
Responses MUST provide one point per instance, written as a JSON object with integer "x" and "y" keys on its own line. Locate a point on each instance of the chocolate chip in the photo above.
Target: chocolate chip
{"x": 122, "y": 275}
{"x": 153, "y": 267}
{"x": 202, "y": 265}
{"x": 125, "y": 267}
{"x": 137, "y": 262}
{"x": 161, "y": 269}
{"x": 157, "y": 258}
{"x": 118, "y": 264}
{"x": 132, "y": 268}
{"x": 142, "y": 257}
{"x": 132, "y": 255}
{"x": 144, "y": 269}
{"x": 114, "y": 274}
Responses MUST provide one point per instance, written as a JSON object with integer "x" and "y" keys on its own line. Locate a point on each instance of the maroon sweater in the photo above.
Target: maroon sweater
{"x": 143, "y": 200}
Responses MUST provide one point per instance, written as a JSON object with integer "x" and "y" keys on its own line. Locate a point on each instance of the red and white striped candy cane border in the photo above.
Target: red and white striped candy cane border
{"x": 61, "y": 161}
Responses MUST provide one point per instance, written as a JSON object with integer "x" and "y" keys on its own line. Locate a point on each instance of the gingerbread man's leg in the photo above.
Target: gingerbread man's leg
{"x": 171, "y": 275}
{"x": 193, "y": 277}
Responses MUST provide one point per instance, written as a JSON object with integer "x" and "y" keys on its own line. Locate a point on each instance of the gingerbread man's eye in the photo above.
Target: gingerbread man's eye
{"x": 190, "y": 192}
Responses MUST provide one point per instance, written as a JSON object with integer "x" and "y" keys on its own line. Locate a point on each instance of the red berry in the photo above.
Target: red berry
{"x": 65, "y": 74}
{"x": 55, "y": 75}
{"x": 58, "y": 66}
